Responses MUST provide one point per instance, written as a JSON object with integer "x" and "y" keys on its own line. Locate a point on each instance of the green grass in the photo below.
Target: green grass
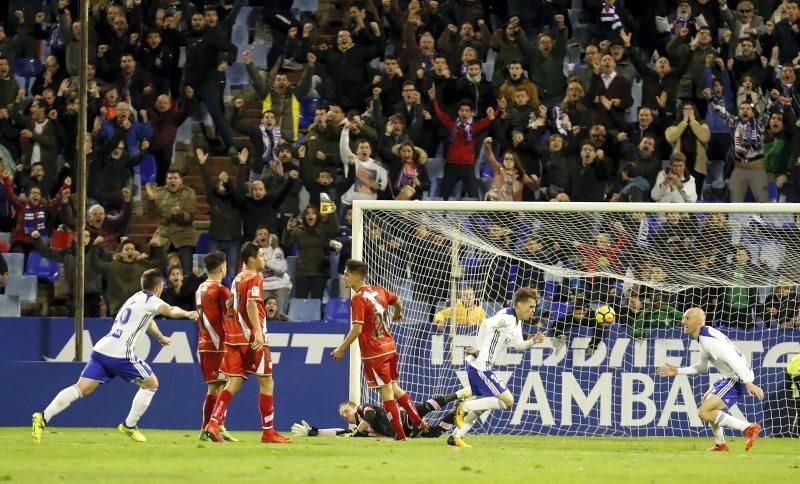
{"x": 105, "y": 455}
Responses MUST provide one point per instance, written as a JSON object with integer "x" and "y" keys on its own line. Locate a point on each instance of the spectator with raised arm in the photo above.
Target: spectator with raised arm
{"x": 225, "y": 230}
{"x": 314, "y": 234}
{"x": 174, "y": 207}
{"x": 277, "y": 281}
{"x": 98, "y": 223}
{"x": 689, "y": 135}
{"x": 368, "y": 176}
{"x": 260, "y": 208}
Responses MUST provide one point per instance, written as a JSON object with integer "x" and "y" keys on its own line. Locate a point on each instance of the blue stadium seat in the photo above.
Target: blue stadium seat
{"x": 304, "y": 309}
{"x": 147, "y": 169}
{"x": 236, "y": 75}
{"x": 42, "y": 268}
{"x": 28, "y": 69}
{"x": 259, "y": 53}
{"x": 435, "y": 167}
{"x": 9, "y": 305}
{"x": 291, "y": 269}
{"x": 308, "y": 107}
{"x": 306, "y": 5}
{"x": 560, "y": 310}
{"x": 337, "y": 310}
{"x": 23, "y": 287}
{"x": 240, "y": 35}
{"x": 197, "y": 261}
{"x": 243, "y": 17}
{"x": 203, "y": 242}
{"x": 15, "y": 263}
{"x": 551, "y": 288}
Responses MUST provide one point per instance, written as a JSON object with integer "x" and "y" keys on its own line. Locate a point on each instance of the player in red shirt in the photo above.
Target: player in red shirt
{"x": 378, "y": 350}
{"x": 211, "y": 301}
{"x": 247, "y": 350}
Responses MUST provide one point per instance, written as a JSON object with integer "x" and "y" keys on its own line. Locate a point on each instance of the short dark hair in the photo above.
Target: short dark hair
{"x": 152, "y": 279}
{"x": 631, "y": 169}
{"x": 525, "y": 293}
{"x": 214, "y": 260}
{"x": 325, "y": 170}
{"x": 270, "y": 297}
{"x": 356, "y": 267}
{"x": 465, "y": 102}
{"x": 174, "y": 170}
{"x": 474, "y": 61}
{"x": 249, "y": 251}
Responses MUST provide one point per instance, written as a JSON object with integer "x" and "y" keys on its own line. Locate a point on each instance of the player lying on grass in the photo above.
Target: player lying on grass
{"x": 494, "y": 335}
{"x": 737, "y": 379}
{"x": 113, "y": 356}
{"x": 368, "y": 420}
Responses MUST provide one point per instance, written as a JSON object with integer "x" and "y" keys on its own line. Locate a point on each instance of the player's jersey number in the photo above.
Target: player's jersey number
{"x": 122, "y": 320}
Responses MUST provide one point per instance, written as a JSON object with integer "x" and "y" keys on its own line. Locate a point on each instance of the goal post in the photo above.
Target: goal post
{"x": 454, "y": 263}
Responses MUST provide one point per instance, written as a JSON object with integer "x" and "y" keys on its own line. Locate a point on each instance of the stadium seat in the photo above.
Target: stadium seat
{"x": 240, "y": 35}
{"x": 23, "y": 287}
{"x": 551, "y": 288}
{"x": 308, "y": 108}
{"x": 435, "y": 167}
{"x": 147, "y": 169}
{"x": 304, "y": 309}
{"x": 306, "y": 5}
{"x": 9, "y": 305}
{"x": 6, "y": 236}
{"x": 197, "y": 261}
{"x": 560, "y": 310}
{"x": 42, "y": 268}
{"x": 236, "y": 75}
{"x": 15, "y": 263}
{"x": 28, "y": 69}
{"x": 337, "y": 310}
{"x": 259, "y": 53}
{"x": 291, "y": 268}
{"x": 202, "y": 244}
{"x": 243, "y": 17}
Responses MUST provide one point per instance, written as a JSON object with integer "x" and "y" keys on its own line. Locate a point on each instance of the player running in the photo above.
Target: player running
{"x": 246, "y": 349}
{"x": 113, "y": 356}
{"x": 211, "y": 301}
{"x": 370, "y": 325}
{"x": 368, "y": 420}
{"x": 494, "y": 335}
{"x": 737, "y": 379}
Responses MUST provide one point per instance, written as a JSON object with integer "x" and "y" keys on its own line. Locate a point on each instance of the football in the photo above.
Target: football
{"x": 605, "y": 315}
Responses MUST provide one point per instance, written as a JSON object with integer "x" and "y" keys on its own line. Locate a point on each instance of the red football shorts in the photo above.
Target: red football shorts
{"x": 241, "y": 360}
{"x": 381, "y": 371}
{"x": 210, "y": 363}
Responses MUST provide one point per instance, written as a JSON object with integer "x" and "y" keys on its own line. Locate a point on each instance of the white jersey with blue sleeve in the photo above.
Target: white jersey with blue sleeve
{"x": 717, "y": 349}
{"x": 131, "y": 323}
{"x": 495, "y": 335}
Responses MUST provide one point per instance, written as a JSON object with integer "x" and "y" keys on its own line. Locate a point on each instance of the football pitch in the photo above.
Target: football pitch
{"x": 105, "y": 455}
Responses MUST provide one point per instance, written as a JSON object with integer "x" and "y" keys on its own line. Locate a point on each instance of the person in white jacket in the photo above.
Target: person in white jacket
{"x": 675, "y": 184}
{"x": 277, "y": 281}
{"x": 370, "y": 176}
{"x": 736, "y": 382}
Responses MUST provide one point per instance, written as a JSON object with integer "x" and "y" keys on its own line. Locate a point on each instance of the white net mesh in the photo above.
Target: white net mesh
{"x": 743, "y": 269}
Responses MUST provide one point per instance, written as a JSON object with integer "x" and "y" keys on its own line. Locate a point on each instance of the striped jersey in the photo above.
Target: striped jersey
{"x": 494, "y": 336}
{"x": 132, "y": 321}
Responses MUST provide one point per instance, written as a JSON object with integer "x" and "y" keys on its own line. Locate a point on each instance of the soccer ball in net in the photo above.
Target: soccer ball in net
{"x": 605, "y": 315}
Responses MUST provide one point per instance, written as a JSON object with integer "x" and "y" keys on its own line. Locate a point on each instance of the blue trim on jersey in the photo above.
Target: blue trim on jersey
{"x": 729, "y": 390}
{"x": 704, "y": 332}
{"x": 510, "y": 311}
{"x": 148, "y": 294}
{"x": 484, "y": 383}
{"x": 104, "y": 368}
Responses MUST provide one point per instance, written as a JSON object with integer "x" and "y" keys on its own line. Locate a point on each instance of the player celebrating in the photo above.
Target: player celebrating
{"x": 737, "y": 379}
{"x": 246, "y": 348}
{"x": 211, "y": 301}
{"x": 113, "y": 356}
{"x": 369, "y": 313}
{"x": 370, "y": 421}
{"x": 494, "y": 335}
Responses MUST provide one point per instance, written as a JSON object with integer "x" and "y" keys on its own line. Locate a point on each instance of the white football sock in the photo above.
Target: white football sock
{"x": 719, "y": 434}
{"x": 63, "y": 400}
{"x": 140, "y": 403}
{"x": 469, "y": 421}
{"x": 728, "y": 420}
{"x": 486, "y": 403}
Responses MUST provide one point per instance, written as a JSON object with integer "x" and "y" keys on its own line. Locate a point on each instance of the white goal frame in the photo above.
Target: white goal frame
{"x": 359, "y": 206}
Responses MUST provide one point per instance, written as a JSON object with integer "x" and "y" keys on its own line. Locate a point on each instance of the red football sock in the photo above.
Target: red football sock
{"x": 220, "y": 407}
{"x": 394, "y": 418}
{"x": 267, "y": 412}
{"x": 410, "y": 408}
{"x": 208, "y": 407}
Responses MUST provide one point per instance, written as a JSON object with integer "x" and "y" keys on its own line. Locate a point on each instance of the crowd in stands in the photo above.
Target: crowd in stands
{"x": 506, "y": 100}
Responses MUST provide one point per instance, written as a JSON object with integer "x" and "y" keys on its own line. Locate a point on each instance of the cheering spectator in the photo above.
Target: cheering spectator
{"x": 675, "y": 184}
{"x": 280, "y": 97}
{"x": 691, "y": 142}
{"x": 225, "y": 230}
{"x": 99, "y": 224}
{"x": 273, "y": 312}
{"x": 781, "y": 308}
{"x": 277, "y": 282}
{"x": 40, "y": 137}
{"x": 174, "y": 206}
{"x": 165, "y": 121}
{"x": 347, "y": 81}
{"x": 260, "y": 208}
{"x": 368, "y": 176}
{"x": 313, "y": 234}
{"x": 468, "y": 311}
{"x": 509, "y": 177}
{"x": 123, "y": 273}
{"x": 547, "y": 63}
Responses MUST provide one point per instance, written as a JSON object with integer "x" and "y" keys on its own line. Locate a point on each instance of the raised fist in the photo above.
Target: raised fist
{"x": 238, "y": 103}
{"x": 247, "y": 57}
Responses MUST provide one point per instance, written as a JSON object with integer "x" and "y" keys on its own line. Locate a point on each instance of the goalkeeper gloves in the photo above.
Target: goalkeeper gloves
{"x": 303, "y": 429}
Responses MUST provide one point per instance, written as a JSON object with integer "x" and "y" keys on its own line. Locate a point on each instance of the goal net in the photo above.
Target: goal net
{"x": 453, "y": 262}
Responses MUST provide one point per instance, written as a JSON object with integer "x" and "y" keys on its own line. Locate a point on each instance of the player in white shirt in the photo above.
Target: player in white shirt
{"x": 737, "y": 380}
{"x": 495, "y": 334}
{"x": 113, "y": 356}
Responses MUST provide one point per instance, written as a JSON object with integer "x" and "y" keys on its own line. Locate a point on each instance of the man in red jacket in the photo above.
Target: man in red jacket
{"x": 464, "y": 130}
